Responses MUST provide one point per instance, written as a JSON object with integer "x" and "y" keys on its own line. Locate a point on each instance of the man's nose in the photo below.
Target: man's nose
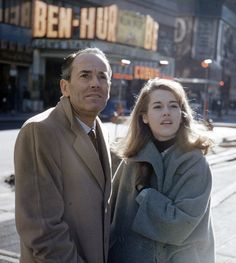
{"x": 94, "y": 81}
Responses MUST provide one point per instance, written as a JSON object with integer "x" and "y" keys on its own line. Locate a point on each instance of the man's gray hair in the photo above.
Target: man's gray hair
{"x": 66, "y": 67}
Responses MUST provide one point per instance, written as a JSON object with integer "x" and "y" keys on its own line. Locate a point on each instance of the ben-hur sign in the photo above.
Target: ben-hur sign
{"x": 104, "y": 23}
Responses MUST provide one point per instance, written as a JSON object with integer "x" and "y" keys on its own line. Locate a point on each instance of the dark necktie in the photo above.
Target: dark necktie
{"x": 92, "y": 137}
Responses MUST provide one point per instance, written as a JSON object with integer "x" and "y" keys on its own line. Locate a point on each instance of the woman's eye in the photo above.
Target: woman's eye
{"x": 157, "y": 107}
{"x": 175, "y": 106}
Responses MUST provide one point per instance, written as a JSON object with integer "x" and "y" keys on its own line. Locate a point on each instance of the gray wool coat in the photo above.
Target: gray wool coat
{"x": 169, "y": 222}
{"x": 62, "y": 190}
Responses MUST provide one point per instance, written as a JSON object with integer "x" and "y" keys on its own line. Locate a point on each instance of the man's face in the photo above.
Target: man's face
{"x": 89, "y": 86}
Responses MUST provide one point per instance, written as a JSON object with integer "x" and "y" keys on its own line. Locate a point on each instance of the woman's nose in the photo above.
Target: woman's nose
{"x": 166, "y": 111}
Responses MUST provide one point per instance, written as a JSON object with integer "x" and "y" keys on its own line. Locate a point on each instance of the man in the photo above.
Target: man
{"x": 63, "y": 182}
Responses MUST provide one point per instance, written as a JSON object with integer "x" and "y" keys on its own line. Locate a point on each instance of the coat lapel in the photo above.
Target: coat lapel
{"x": 85, "y": 149}
{"x": 83, "y": 146}
{"x": 151, "y": 155}
{"x": 105, "y": 149}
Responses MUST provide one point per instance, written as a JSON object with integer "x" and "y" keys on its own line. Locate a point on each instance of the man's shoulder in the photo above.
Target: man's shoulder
{"x": 41, "y": 117}
{"x": 41, "y": 127}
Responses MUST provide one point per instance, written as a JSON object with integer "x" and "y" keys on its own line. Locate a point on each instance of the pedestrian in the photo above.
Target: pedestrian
{"x": 160, "y": 205}
{"x": 26, "y": 105}
{"x": 63, "y": 182}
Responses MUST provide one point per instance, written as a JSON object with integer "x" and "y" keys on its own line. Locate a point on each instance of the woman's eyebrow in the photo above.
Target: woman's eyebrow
{"x": 159, "y": 102}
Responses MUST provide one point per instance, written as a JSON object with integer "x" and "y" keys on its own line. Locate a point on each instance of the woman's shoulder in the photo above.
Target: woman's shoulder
{"x": 179, "y": 151}
{"x": 178, "y": 156}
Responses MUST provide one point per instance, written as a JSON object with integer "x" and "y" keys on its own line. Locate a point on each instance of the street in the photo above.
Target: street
{"x": 223, "y": 165}
{"x": 224, "y": 206}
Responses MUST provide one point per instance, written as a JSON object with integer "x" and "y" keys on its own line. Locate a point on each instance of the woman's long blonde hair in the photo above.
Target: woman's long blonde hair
{"x": 189, "y": 136}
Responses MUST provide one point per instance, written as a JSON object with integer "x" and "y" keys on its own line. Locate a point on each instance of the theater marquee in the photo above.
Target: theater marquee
{"x": 103, "y": 23}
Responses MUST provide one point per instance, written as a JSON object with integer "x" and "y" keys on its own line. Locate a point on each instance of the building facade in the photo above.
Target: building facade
{"x": 206, "y": 31}
{"x": 137, "y": 36}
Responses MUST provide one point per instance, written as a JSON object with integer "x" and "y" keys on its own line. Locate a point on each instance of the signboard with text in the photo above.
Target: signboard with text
{"x": 106, "y": 23}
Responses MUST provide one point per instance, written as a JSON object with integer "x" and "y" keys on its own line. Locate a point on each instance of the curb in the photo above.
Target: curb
{"x": 222, "y": 194}
{"x": 228, "y": 141}
{"x": 224, "y": 124}
{"x": 8, "y": 256}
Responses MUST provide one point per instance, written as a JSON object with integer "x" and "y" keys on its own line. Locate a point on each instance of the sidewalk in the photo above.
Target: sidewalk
{"x": 13, "y": 121}
{"x": 226, "y": 120}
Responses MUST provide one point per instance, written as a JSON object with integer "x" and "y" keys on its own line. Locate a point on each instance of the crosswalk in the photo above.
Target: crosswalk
{"x": 223, "y": 166}
{"x": 8, "y": 256}
{"x": 222, "y": 157}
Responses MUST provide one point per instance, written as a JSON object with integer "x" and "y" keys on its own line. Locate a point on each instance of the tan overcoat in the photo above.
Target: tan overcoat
{"x": 62, "y": 190}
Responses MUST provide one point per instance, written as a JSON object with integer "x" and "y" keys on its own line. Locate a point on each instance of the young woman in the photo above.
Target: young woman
{"x": 161, "y": 189}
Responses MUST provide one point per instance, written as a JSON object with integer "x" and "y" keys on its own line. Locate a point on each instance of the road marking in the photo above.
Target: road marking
{"x": 223, "y": 194}
{"x": 9, "y": 256}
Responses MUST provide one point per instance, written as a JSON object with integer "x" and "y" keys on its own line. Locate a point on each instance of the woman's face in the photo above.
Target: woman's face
{"x": 163, "y": 115}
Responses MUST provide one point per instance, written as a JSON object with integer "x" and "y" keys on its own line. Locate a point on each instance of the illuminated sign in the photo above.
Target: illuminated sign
{"x": 135, "y": 72}
{"x": 103, "y": 23}
{"x": 52, "y": 21}
{"x": 16, "y": 14}
{"x": 145, "y": 73}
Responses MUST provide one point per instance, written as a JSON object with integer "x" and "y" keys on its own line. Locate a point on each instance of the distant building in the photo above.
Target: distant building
{"x": 207, "y": 30}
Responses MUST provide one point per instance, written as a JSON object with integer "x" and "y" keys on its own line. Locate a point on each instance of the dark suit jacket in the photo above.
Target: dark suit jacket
{"x": 62, "y": 191}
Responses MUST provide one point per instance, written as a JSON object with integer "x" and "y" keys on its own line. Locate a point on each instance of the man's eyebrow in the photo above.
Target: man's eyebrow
{"x": 85, "y": 71}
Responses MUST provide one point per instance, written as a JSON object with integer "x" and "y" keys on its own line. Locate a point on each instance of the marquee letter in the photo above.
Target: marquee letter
{"x": 102, "y": 22}
{"x": 148, "y": 32}
{"x": 25, "y": 14}
{"x": 65, "y": 18}
{"x": 87, "y": 23}
{"x": 155, "y": 36}
{"x": 52, "y": 25}
{"x": 112, "y": 22}
{"x": 40, "y": 19}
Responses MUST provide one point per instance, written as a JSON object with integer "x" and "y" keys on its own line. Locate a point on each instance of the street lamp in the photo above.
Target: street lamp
{"x": 206, "y": 65}
{"x": 124, "y": 63}
{"x": 163, "y": 63}
{"x": 119, "y": 111}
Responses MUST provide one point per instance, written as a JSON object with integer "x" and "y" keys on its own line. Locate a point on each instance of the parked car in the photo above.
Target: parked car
{"x": 114, "y": 110}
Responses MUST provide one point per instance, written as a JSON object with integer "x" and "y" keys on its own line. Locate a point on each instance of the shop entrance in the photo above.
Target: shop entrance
{"x": 52, "y": 93}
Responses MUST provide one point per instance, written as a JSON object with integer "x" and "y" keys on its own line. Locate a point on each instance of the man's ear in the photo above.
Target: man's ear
{"x": 145, "y": 119}
{"x": 65, "y": 90}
